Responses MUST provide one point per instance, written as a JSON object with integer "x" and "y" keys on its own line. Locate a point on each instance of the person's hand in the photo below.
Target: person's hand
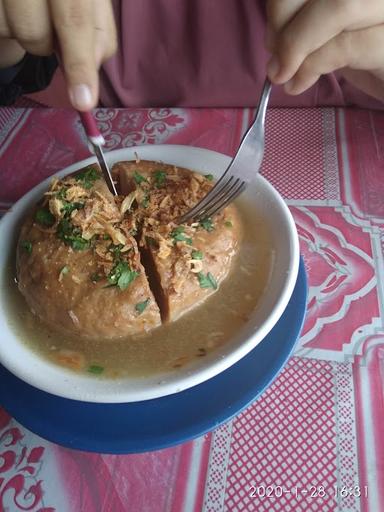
{"x": 309, "y": 38}
{"x": 82, "y": 31}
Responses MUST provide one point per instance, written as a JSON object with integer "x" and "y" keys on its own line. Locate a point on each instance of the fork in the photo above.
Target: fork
{"x": 240, "y": 172}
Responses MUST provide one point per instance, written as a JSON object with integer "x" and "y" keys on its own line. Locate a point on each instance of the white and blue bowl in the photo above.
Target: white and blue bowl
{"x": 259, "y": 197}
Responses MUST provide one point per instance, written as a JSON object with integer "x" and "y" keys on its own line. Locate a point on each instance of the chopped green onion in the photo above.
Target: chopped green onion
{"x": 139, "y": 178}
{"x": 160, "y": 177}
{"x": 79, "y": 244}
{"x": 27, "y": 246}
{"x": 95, "y": 369}
{"x": 207, "y": 224}
{"x": 115, "y": 250}
{"x": 121, "y": 275}
{"x": 145, "y": 201}
{"x": 140, "y": 306}
{"x": 68, "y": 208}
{"x": 197, "y": 255}
{"x": 88, "y": 177}
{"x": 64, "y": 271}
{"x": 61, "y": 194}
{"x": 126, "y": 278}
{"x": 207, "y": 281}
{"x": 177, "y": 231}
{"x": 178, "y": 235}
{"x": 179, "y": 238}
{"x": 44, "y": 217}
{"x": 209, "y": 177}
{"x": 71, "y": 236}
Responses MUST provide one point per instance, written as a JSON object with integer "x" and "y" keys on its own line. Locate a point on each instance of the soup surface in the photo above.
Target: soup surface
{"x": 172, "y": 345}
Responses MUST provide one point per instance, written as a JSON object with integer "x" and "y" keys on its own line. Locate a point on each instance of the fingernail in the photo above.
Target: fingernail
{"x": 273, "y": 67}
{"x": 81, "y": 96}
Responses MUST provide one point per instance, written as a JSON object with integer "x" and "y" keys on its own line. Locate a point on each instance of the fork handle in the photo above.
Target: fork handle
{"x": 262, "y": 108}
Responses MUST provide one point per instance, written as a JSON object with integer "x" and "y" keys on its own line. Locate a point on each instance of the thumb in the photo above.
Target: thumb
{"x": 73, "y": 21}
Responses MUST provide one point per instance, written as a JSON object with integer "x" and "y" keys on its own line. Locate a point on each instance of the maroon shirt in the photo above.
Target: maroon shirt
{"x": 201, "y": 53}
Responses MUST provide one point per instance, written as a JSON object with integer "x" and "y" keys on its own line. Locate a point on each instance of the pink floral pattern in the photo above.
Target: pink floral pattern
{"x": 362, "y": 169}
{"x": 124, "y": 128}
{"x": 340, "y": 265}
{"x": 20, "y": 488}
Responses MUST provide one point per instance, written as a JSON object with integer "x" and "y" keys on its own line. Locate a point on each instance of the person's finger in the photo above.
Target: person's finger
{"x": 353, "y": 49}
{"x": 279, "y": 13}
{"x": 105, "y": 31}
{"x": 304, "y": 34}
{"x": 10, "y": 52}
{"x": 5, "y": 31}
{"x": 74, "y": 25}
{"x": 29, "y": 23}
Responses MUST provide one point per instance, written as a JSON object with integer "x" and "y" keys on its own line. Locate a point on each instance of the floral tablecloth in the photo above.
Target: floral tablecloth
{"x": 314, "y": 440}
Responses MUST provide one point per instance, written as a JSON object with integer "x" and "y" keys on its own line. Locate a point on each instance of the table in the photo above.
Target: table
{"x": 313, "y": 441}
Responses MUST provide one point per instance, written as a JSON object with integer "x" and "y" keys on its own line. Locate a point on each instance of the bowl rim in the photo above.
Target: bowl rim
{"x": 90, "y": 389}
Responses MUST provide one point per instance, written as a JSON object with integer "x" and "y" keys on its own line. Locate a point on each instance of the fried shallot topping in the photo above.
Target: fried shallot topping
{"x": 83, "y": 214}
{"x": 160, "y": 198}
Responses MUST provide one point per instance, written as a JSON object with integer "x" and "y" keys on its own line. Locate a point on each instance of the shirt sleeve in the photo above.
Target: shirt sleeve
{"x": 31, "y": 74}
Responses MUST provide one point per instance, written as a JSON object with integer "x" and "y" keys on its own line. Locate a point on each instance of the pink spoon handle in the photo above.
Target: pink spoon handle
{"x": 91, "y": 128}
{"x": 96, "y": 141}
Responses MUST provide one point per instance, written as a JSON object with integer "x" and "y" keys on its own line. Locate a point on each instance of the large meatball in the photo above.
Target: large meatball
{"x": 102, "y": 266}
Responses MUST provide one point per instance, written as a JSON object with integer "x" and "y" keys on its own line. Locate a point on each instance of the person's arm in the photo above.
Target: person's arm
{"x": 309, "y": 38}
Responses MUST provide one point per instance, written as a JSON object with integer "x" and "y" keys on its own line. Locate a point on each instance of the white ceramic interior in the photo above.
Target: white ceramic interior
{"x": 260, "y": 195}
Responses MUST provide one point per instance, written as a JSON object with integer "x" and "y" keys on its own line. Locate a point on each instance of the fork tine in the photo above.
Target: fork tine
{"x": 229, "y": 198}
{"x": 218, "y": 199}
{"x": 245, "y": 164}
{"x": 219, "y": 189}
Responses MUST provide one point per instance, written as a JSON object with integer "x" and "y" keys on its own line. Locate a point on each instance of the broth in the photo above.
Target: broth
{"x": 172, "y": 345}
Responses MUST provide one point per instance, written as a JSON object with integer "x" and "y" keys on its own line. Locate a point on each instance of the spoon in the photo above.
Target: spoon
{"x": 97, "y": 141}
